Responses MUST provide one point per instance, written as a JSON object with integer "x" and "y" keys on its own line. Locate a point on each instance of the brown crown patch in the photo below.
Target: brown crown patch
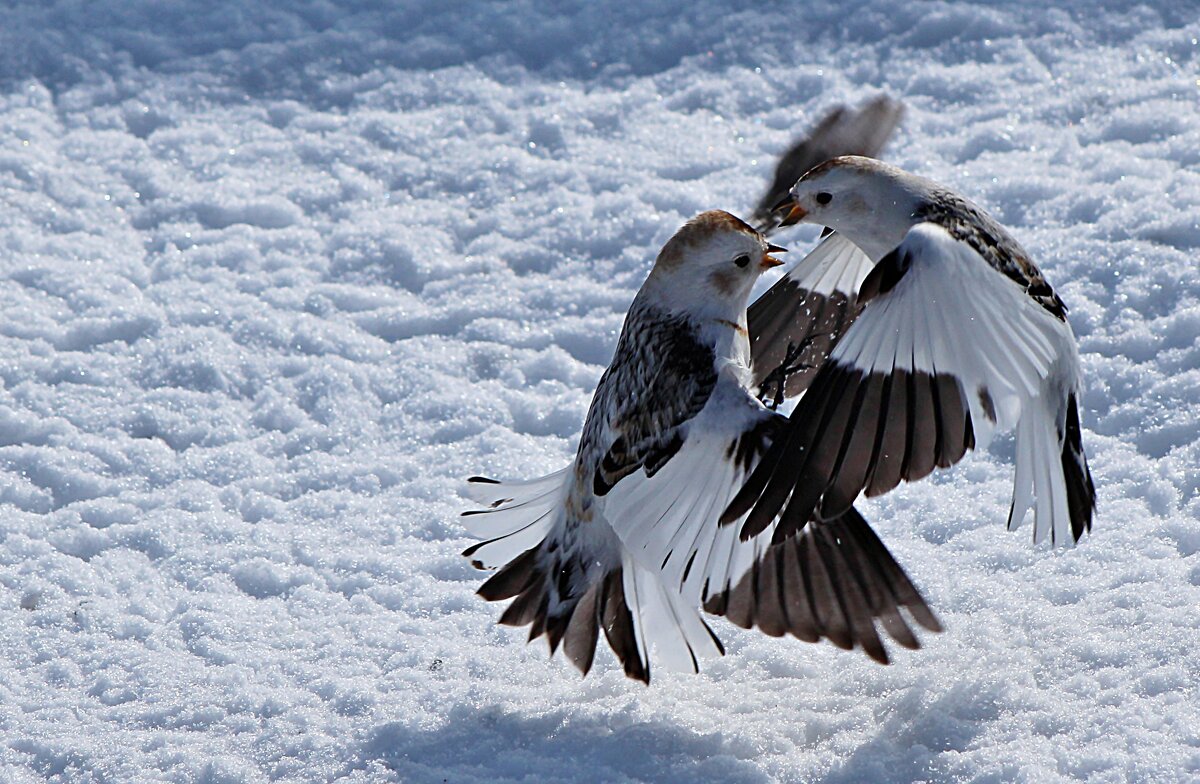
{"x": 858, "y": 162}
{"x": 697, "y": 230}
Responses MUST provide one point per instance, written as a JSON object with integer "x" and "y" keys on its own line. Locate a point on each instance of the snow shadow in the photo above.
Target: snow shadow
{"x": 288, "y": 49}
{"x": 490, "y": 745}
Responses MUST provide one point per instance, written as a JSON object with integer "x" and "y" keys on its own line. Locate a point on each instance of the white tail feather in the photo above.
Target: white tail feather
{"x": 488, "y": 491}
{"x": 524, "y": 514}
{"x": 665, "y": 622}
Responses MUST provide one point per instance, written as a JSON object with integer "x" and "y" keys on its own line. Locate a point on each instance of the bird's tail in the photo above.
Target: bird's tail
{"x": 1052, "y": 471}
{"x": 569, "y": 583}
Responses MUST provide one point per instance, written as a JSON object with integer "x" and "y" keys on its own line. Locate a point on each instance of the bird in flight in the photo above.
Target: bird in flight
{"x": 958, "y": 335}
{"x": 626, "y": 540}
{"x": 689, "y": 490}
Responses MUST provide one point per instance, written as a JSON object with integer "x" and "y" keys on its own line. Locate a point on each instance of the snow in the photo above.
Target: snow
{"x": 276, "y": 276}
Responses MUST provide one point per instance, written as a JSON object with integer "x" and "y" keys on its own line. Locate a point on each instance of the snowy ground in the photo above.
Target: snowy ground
{"x": 276, "y": 275}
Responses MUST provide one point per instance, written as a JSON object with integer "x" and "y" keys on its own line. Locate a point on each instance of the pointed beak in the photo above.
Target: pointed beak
{"x": 769, "y": 261}
{"x": 794, "y": 215}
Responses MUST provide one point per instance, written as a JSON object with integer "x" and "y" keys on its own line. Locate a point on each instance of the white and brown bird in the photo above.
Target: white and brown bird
{"x": 626, "y": 539}
{"x": 956, "y": 334}
{"x": 794, "y": 325}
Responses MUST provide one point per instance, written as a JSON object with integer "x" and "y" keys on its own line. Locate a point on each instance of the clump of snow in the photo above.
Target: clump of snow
{"x": 278, "y": 275}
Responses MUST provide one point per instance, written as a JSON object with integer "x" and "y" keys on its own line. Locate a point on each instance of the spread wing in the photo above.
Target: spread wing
{"x": 844, "y": 131}
{"x": 795, "y": 324}
{"x": 833, "y": 580}
{"x": 946, "y": 349}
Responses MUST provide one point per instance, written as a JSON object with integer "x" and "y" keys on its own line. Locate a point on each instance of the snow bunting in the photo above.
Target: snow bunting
{"x": 959, "y": 334}
{"x": 794, "y": 325}
{"x": 843, "y": 131}
{"x": 626, "y": 538}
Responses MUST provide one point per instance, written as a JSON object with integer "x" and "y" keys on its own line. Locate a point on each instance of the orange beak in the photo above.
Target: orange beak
{"x": 769, "y": 261}
{"x": 794, "y": 216}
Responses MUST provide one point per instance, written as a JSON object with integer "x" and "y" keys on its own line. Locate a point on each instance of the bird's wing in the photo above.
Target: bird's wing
{"x": 660, "y": 378}
{"x": 946, "y": 349}
{"x": 833, "y": 581}
{"x": 567, "y": 574}
{"x": 795, "y": 324}
{"x": 844, "y": 131}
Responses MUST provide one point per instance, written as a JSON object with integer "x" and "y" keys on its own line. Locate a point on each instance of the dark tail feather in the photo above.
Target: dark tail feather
{"x": 536, "y": 580}
{"x": 583, "y": 630}
{"x": 1081, "y": 493}
{"x": 565, "y": 594}
{"x": 619, "y": 629}
{"x": 832, "y": 580}
{"x": 514, "y": 578}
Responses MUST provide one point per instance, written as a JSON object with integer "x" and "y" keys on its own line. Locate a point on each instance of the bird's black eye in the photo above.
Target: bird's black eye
{"x": 742, "y": 260}
{"x": 824, "y": 197}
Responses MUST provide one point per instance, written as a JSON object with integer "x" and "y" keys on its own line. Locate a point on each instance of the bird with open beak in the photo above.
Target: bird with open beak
{"x": 959, "y": 335}
{"x": 625, "y": 540}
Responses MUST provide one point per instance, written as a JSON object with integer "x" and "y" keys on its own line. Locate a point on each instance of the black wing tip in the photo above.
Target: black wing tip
{"x": 617, "y": 622}
{"x": 1081, "y": 490}
{"x": 878, "y": 655}
{"x": 928, "y": 620}
{"x": 716, "y": 640}
{"x": 483, "y": 480}
{"x": 731, "y": 513}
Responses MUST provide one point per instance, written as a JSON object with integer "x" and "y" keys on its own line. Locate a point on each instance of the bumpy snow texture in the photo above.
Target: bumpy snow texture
{"x": 276, "y": 276}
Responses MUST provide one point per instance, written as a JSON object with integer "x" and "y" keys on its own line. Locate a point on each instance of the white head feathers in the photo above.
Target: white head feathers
{"x": 710, "y": 265}
{"x": 867, "y": 201}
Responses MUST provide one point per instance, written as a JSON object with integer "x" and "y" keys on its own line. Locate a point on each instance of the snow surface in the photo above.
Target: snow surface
{"x": 277, "y": 275}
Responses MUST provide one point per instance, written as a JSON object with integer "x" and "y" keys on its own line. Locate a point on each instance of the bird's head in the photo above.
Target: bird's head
{"x": 711, "y": 264}
{"x": 865, "y": 200}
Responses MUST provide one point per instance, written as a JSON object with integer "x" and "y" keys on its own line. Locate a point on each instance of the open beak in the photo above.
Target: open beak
{"x": 794, "y": 216}
{"x": 795, "y": 213}
{"x": 770, "y": 261}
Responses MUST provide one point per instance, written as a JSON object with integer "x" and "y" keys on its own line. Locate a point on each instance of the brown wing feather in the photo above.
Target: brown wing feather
{"x": 833, "y": 581}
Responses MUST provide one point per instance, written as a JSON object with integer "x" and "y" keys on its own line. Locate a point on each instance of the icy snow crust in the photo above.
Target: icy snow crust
{"x": 277, "y": 275}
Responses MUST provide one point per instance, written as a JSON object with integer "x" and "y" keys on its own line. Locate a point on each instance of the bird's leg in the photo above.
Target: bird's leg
{"x": 787, "y": 367}
{"x": 779, "y": 375}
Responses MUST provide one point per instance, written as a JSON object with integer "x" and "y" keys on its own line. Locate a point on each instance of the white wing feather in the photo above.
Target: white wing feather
{"x": 952, "y": 313}
{"x": 668, "y": 522}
